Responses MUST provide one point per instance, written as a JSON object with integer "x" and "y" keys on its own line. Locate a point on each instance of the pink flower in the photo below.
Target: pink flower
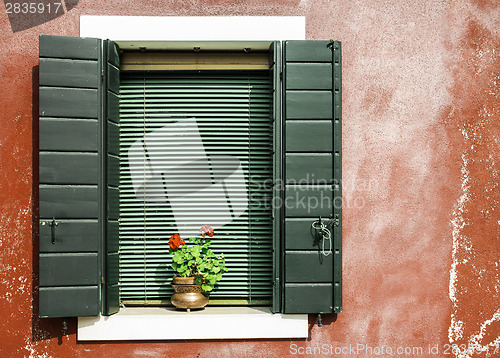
{"x": 206, "y": 230}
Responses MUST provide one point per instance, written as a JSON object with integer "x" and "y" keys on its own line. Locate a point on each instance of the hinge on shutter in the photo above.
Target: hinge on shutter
{"x": 335, "y": 221}
{"x": 102, "y": 280}
{"x": 281, "y": 76}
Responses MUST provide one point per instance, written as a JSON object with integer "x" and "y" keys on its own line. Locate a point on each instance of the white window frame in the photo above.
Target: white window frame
{"x": 181, "y": 32}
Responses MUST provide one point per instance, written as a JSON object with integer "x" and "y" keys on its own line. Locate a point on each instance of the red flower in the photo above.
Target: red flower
{"x": 206, "y": 230}
{"x": 175, "y": 241}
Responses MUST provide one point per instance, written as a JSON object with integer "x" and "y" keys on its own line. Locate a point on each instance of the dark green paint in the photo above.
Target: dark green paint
{"x": 275, "y": 53}
{"x": 111, "y": 162}
{"x": 112, "y": 299}
{"x": 68, "y": 102}
{"x": 68, "y": 269}
{"x": 311, "y": 279}
{"x": 309, "y": 136}
{"x": 113, "y": 171}
{"x": 70, "y": 171}
{"x": 308, "y": 266}
{"x": 308, "y": 201}
{"x": 68, "y": 168}
{"x": 308, "y": 51}
{"x": 113, "y": 139}
{"x": 309, "y": 168}
{"x": 70, "y": 236}
{"x": 77, "y": 135}
{"x": 308, "y": 104}
{"x": 68, "y": 202}
{"x": 68, "y": 73}
{"x": 112, "y": 236}
{"x": 113, "y": 79}
{"x": 69, "y": 301}
{"x": 69, "y": 47}
{"x": 299, "y": 234}
{"x": 308, "y": 298}
{"x": 113, "y": 55}
{"x": 309, "y": 76}
{"x": 113, "y": 269}
{"x": 113, "y": 108}
{"x": 337, "y": 144}
{"x": 113, "y": 203}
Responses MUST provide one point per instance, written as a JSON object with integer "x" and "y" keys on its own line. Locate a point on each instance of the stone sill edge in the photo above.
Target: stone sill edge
{"x": 211, "y": 323}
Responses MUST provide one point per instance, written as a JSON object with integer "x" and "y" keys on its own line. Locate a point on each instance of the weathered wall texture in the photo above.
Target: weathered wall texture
{"x": 421, "y": 82}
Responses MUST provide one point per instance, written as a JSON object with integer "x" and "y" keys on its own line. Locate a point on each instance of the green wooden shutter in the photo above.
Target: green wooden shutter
{"x": 233, "y": 115}
{"x": 69, "y": 176}
{"x": 275, "y": 73}
{"x": 112, "y": 163}
{"x": 312, "y": 173}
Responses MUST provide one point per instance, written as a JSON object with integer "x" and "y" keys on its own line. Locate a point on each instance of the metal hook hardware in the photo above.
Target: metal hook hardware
{"x": 53, "y": 225}
{"x": 324, "y": 236}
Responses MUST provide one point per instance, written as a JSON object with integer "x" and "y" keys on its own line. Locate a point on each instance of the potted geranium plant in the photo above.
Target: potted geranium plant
{"x": 198, "y": 269}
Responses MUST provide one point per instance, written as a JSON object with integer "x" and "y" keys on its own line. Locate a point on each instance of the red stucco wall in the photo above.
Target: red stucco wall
{"x": 421, "y": 131}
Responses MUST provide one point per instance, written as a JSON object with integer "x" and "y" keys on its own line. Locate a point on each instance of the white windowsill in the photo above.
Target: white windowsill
{"x": 165, "y": 323}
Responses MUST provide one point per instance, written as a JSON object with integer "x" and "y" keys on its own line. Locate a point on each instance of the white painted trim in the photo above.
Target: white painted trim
{"x": 208, "y": 32}
{"x": 211, "y": 323}
{"x": 194, "y": 28}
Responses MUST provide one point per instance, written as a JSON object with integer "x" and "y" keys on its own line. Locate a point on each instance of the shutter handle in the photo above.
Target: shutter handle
{"x": 53, "y": 225}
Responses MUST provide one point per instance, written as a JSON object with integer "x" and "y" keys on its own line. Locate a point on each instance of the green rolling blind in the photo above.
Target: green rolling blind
{"x": 232, "y": 112}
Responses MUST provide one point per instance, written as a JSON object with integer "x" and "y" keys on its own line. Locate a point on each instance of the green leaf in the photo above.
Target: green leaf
{"x": 207, "y": 287}
{"x": 179, "y": 257}
{"x": 195, "y": 240}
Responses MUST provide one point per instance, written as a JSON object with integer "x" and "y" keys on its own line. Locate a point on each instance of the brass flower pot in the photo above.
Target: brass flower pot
{"x": 187, "y": 294}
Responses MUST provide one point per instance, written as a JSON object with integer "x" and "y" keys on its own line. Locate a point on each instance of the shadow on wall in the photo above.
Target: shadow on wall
{"x": 25, "y": 15}
{"x": 326, "y": 320}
